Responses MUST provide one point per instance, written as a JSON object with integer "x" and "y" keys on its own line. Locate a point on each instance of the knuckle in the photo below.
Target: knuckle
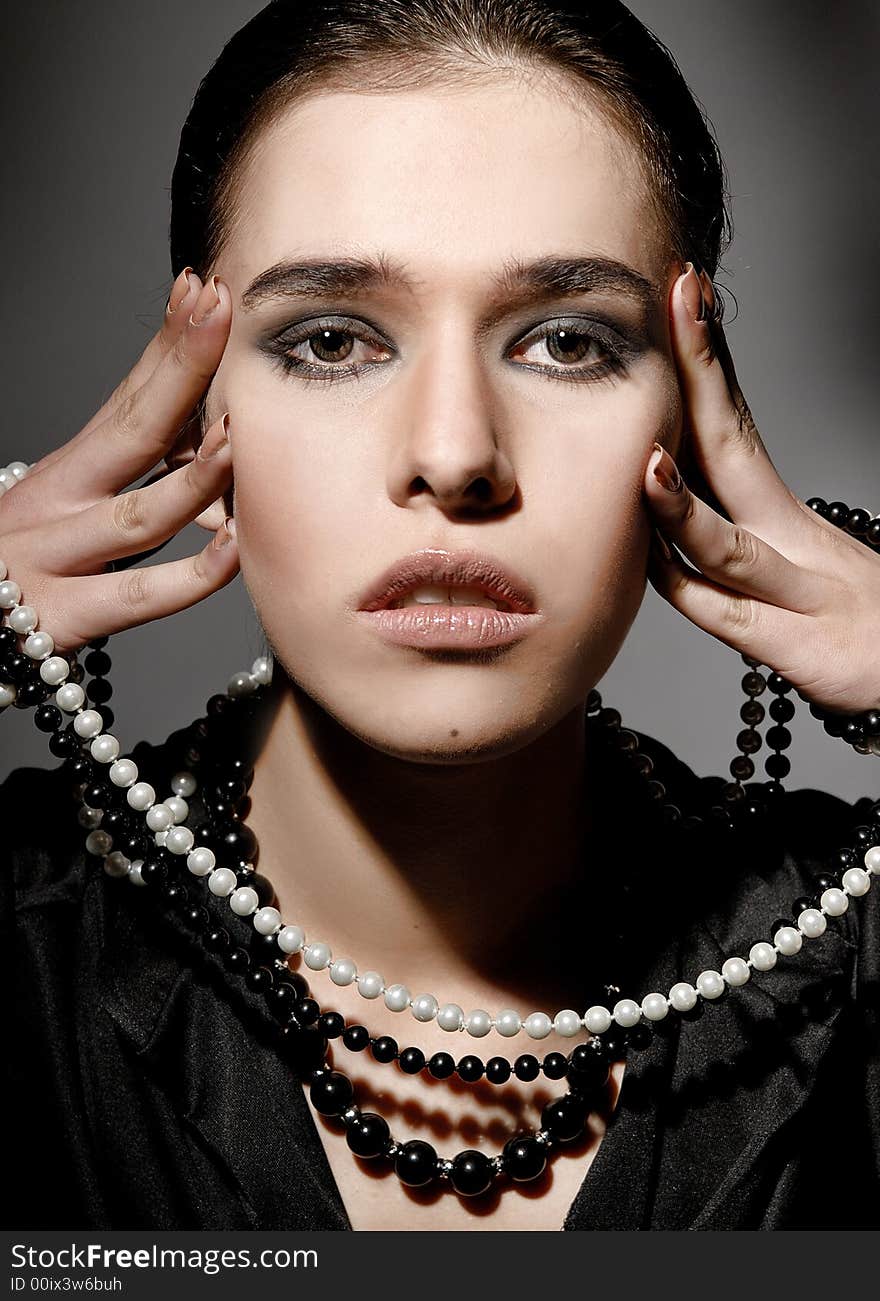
{"x": 740, "y": 550}
{"x": 136, "y": 590}
{"x": 738, "y": 615}
{"x": 128, "y": 514}
{"x": 127, "y": 415}
{"x": 187, "y": 359}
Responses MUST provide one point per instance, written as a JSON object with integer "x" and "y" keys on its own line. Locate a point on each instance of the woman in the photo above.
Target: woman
{"x": 442, "y": 208}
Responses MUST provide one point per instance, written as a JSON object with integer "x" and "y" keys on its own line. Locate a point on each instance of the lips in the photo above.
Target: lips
{"x": 447, "y": 569}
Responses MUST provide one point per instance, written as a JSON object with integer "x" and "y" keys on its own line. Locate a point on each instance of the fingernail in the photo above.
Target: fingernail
{"x": 666, "y": 471}
{"x": 224, "y": 534}
{"x": 179, "y": 291}
{"x": 661, "y": 542}
{"x": 215, "y": 440}
{"x": 207, "y": 302}
{"x": 692, "y": 292}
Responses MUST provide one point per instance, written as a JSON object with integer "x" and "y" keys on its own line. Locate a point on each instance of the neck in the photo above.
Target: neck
{"x": 463, "y": 879}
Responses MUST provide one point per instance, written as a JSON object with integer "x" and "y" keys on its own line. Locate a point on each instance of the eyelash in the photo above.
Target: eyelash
{"x": 614, "y": 364}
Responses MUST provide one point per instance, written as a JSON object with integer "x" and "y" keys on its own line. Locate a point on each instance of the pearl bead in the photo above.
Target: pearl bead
{"x": 508, "y": 1023}
{"x": 222, "y": 881}
{"x": 370, "y": 984}
{"x": 425, "y": 1007}
{"x": 450, "y": 1017}
{"x": 22, "y": 619}
{"x": 105, "y": 748}
{"x": 88, "y": 723}
{"x": 811, "y": 922}
{"x": 478, "y": 1023}
{"x": 627, "y": 1013}
{"x": 54, "y": 670}
{"x": 763, "y": 956}
{"x": 242, "y": 901}
{"x": 872, "y": 860}
{"x": 89, "y": 818}
{"x": 735, "y": 971}
{"x": 141, "y": 796}
{"x": 290, "y": 939}
{"x": 124, "y": 772}
{"x": 178, "y": 807}
{"x": 537, "y": 1025}
{"x": 856, "y": 880}
{"x": 267, "y": 920}
{"x": 683, "y": 996}
{"x": 834, "y": 901}
{"x": 39, "y": 645}
{"x": 317, "y": 955}
{"x": 10, "y": 594}
{"x": 116, "y": 864}
{"x": 567, "y": 1023}
{"x": 396, "y": 998}
{"x": 70, "y": 697}
{"x": 7, "y": 694}
{"x": 240, "y": 684}
{"x": 183, "y": 783}
{"x": 159, "y": 817}
{"x": 788, "y": 940}
{"x": 710, "y": 984}
{"x": 201, "y": 861}
{"x": 261, "y": 669}
{"x": 99, "y": 842}
{"x": 655, "y": 1006}
{"x": 134, "y": 873}
{"x": 597, "y": 1019}
{"x": 179, "y": 840}
{"x": 343, "y": 971}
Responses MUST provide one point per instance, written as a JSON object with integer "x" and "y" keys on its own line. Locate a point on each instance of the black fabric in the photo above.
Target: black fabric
{"x": 144, "y": 1093}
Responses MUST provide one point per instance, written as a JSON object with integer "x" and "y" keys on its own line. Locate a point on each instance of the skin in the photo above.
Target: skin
{"x": 448, "y": 804}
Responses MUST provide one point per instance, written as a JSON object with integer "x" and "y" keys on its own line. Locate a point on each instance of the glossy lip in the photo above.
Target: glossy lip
{"x": 449, "y": 627}
{"x": 442, "y": 568}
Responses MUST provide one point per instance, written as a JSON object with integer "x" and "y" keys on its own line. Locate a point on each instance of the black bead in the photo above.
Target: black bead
{"x": 306, "y": 1011}
{"x": 356, "y": 1038}
{"x": 803, "y": 901}
{"x": 778, "y": 685}
{"x": 48, "y": 718}
{"x": 237, "y": 960}
{"x": 331, "y": 1094}
{"x": 196, "y": 917}
{"x": 153, "y": 871}
{"x": 837, "y": 513}
{"x": 872, "y": 534}
{"x": 281, "y": 998}
{"x": 777, "y": 766}
{"x": 331, "y": 1024}
{"x": 871, "y": 723}
{"x": 305, "y": 1047}
{"x": 471, "y": 1173}
{"x": 778, "y": 737}
{"x": 588, "y": 1064}
{"x": 31, "y": 694}
{"x": 235, "y": 843}
{"x": 782, "y": 710}
{"x": 857, "y": 521}
{"x": 824, "y": 882}
{"x": 385, "y": 1048}
{"x": 98, "y": 663}
{"x": 175, "y": 896}
{"x": 217, "y": 939}
{"x": 368, "y": 1136}
{"x": 753, "y": 684}
{"x": 416, "y": 1163}
{"x": 259, "y": 979}
{"x": 526, "y": 1067}
{"x": 555, "y": 1066}
{"x": 818, "y": 505}
{"x": 564, "y": 1117}
{"x": 752, "y": 712}
{"x": 441, "y": 1066}
{"x": 99, "y": 691}
{"x": 498, "y": 1070}
{"x": 64, "y": 745}
{"x": 470, "y": 1068}
{"x": 524, "y": 1158}
{"x": 264, "y": 947}
{"x": 411, "y": 1060}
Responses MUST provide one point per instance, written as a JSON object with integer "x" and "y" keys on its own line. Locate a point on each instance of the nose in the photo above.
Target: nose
{"x": 450, "y": 450}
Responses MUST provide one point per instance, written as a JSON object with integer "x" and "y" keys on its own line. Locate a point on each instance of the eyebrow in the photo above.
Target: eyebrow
{"x": 517, "y": 281}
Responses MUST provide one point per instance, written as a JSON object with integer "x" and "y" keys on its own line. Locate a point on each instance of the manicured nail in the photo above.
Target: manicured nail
{"x": 666, "y": 471}
{"x": 692, "y": 291}
{"x": 207, "y": 302}
{"x": 215, "y": 440}
{"x": 179, "y": 291}
{"x": 224, "y": 534}
{"x": 661, "y": 542}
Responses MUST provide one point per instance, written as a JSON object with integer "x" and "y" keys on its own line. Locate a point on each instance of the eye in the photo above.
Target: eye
{"x": 583, "y": 350}
{"x": 317, "y": 349}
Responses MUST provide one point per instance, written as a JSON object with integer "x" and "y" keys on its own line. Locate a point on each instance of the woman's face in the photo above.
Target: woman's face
{"x": 479, "y": 415}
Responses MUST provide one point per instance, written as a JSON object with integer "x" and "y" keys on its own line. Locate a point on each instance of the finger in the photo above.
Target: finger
{"x": 725, "y": 552}
{"x": 147, "y": 422}
{"x": 143, "y": 519}
{"x": 762, "y": 631}
{"x": 107, "y": 603}
{"x": 182, "y": 299}
{"x": 725, "y": 441}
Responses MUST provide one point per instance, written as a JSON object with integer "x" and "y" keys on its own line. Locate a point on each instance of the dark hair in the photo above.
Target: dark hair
{"x": 292, "y": 47}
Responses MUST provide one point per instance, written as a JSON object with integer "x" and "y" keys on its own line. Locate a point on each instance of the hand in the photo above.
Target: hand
{"x": 775, "y": 581}
{"x": 63, "y": 525}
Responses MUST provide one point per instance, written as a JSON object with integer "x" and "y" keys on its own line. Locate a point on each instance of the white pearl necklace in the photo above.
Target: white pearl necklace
{"x": 165, "y": 820}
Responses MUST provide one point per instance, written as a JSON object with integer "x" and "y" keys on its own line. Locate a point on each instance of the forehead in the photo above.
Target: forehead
{"x": 453, "y": 181}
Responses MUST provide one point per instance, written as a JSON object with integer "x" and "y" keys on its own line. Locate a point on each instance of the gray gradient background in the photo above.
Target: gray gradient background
{"x": 94, "y": 95}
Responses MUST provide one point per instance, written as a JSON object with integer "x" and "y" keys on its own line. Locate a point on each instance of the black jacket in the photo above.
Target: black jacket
{"x": 146, "y": 1095}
